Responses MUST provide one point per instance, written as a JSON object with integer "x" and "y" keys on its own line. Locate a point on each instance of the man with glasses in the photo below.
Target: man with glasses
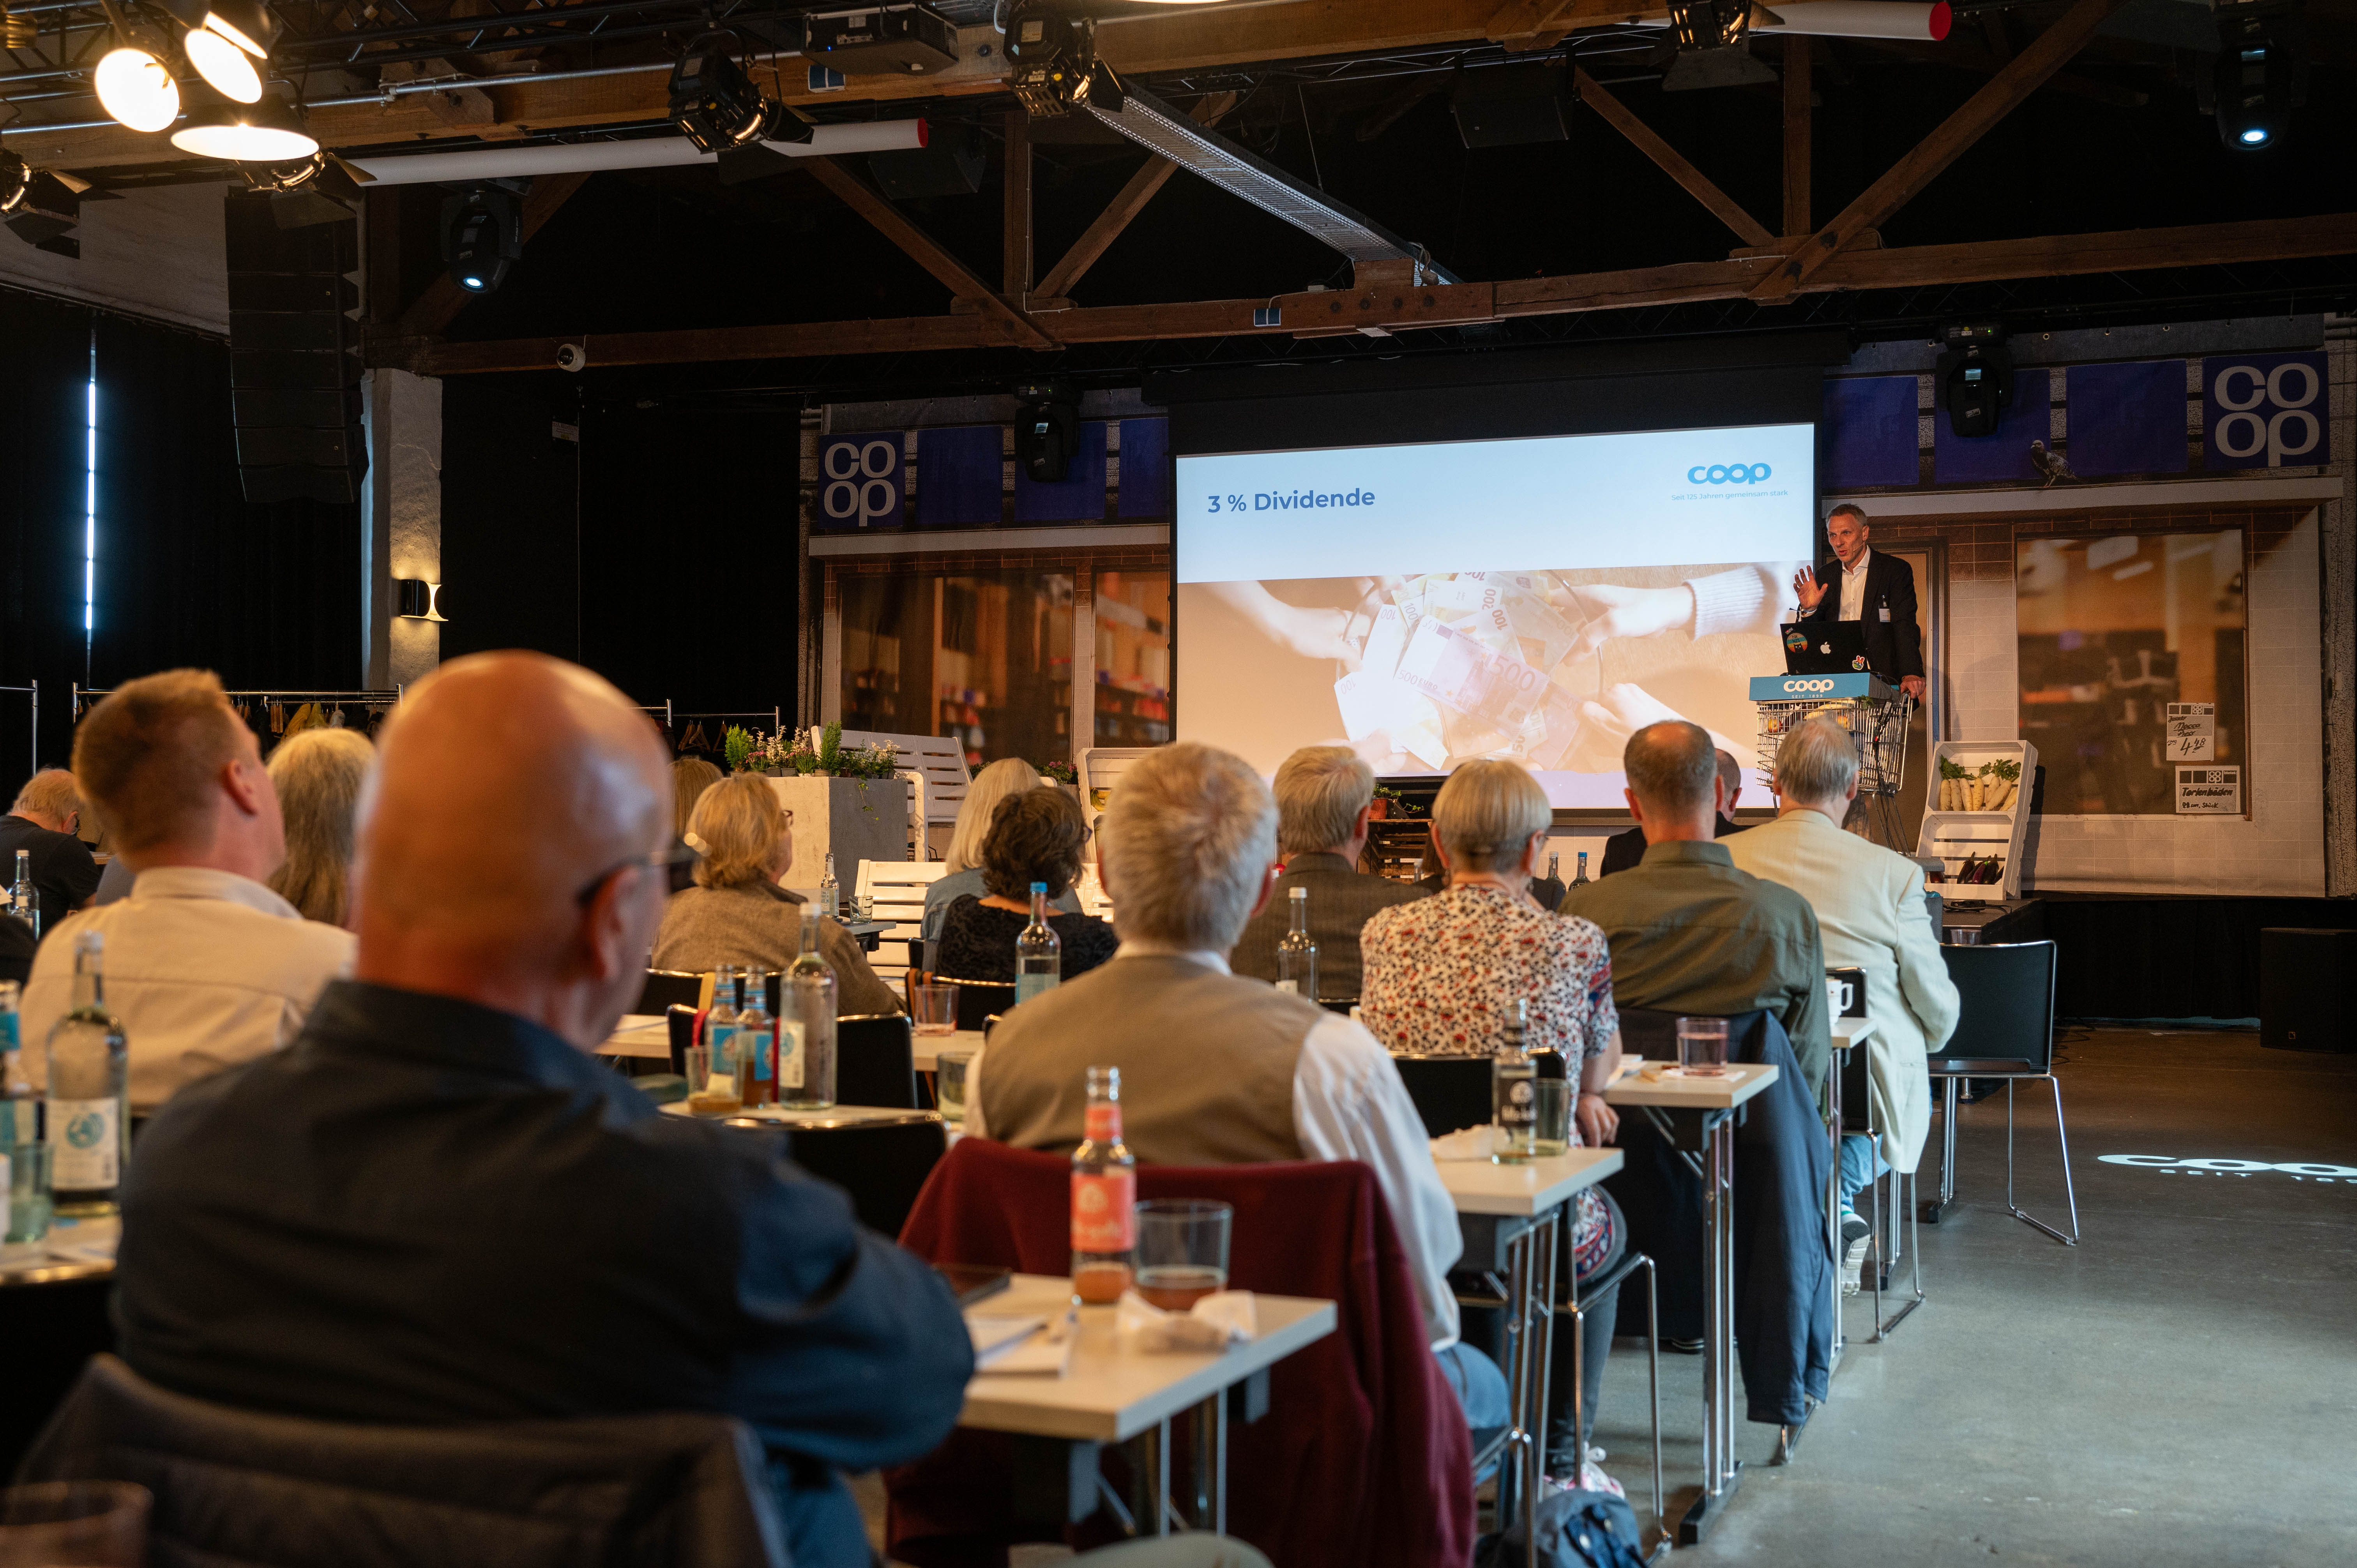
{"x": 437, "y": 1208}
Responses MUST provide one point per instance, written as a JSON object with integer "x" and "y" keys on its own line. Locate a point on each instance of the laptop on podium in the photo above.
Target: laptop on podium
{"x": 1828, "y": 648}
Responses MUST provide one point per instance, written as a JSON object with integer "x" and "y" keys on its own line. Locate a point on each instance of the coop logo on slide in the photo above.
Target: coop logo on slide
{"x": 1728, "y": 474}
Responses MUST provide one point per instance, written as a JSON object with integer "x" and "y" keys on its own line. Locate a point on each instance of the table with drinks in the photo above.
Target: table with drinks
{"x": 1693, "y": 1105}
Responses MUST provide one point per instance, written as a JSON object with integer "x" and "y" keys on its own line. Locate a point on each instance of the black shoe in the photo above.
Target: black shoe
{"x": 1854, "y": 1229}
{"x": 1683, "y": 1347}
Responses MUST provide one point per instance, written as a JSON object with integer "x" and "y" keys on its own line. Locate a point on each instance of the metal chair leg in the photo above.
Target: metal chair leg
{"x": 2070, "y": 1192}
{"x": 1902, "y": 1190}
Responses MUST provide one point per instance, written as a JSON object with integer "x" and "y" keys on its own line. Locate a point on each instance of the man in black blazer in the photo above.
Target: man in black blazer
{"x": 1624, "y": 850}
{"x": 1876, "y": 590}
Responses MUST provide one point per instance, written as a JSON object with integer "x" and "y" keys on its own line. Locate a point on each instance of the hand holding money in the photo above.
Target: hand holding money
{"x": 1629, "y": 612}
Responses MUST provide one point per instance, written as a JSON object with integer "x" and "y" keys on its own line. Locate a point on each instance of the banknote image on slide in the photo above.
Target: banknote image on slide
{"x": 1553, "y": 669}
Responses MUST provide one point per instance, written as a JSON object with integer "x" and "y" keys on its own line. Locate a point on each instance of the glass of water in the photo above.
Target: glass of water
{"x": 28, "y": 1192}
{"x": 1551, "y": 1133}
{"x": 949, "y": 1084}
{"x": 933, "y": 1009}
{"x": 1701, "y": 1047}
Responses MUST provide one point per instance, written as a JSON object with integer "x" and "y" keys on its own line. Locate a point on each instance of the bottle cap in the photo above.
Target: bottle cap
{"x": 1038, "y": 888}
{"x": 1299, "y": 892}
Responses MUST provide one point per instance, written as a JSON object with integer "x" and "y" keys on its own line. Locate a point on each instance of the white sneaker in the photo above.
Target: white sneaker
{"x": 1854, "y": 1265}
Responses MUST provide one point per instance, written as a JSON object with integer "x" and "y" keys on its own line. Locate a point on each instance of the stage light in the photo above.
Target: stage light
{"x": 135, "y": 87}
{"x": 1051, "y": 57}
{"x": 712, "y": 102}
{"x": 1047, "y": 431}
{"x": 16, "y": 182}
{"x": 483, "y": 235}
{"x": 224, "y": 65}
{"x": 1714, "y": 46}
{"x": 1974, "y": 379}
{"x": 264, "y": 133}
{"x": 247, "y": 24}
{"x": 2259, "y": 74}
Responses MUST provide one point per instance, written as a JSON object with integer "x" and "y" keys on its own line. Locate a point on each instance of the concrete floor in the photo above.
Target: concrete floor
{"x": 2180, "y": 1388}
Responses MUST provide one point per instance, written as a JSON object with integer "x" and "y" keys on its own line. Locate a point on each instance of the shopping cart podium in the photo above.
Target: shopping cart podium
{"x": 1876, "y": 718}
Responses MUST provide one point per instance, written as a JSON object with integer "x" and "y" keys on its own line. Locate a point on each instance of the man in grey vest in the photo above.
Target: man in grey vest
{"x": 1324, "y": 797}
{"x": 1217, "y": 1068}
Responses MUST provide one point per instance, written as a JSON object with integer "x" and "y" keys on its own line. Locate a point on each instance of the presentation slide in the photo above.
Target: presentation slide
{"x": 1536, "y": 599}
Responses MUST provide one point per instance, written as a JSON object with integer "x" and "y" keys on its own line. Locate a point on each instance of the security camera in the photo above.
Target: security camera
{"x": 571, "y": 357}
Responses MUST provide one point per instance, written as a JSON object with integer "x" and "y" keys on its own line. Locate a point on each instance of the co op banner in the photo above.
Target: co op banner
{"x": 2264, "y": 411}
{"x": 859, "y": 483}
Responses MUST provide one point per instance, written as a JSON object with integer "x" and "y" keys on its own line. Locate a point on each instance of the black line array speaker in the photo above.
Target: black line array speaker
{"x": 295, "y": 355}
{"x": 2307, "y": 989}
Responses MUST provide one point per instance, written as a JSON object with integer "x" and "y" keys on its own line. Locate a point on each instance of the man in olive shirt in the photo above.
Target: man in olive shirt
{"x": 1324, "y": 795}
{"x": 1689, "y": 932}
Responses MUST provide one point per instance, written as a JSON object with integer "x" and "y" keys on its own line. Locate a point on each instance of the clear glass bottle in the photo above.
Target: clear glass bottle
{"x": 1039, "y": 952}
{"x": 830, "y": 891}
{"x": 1296, "y": 950}
{"x": 757, "y": 1044}
{"x": 1514, "y": 1096}
{"x": 89, "y": 1129}
{"x": 1104, "y": 1196}
{"x": 806, "y": 1030}
{"x": 720, "y": 1020}
{"x": 1580, "y": 878}
{"x": 1553, "y": 859}
{"x": 23, "y": 902}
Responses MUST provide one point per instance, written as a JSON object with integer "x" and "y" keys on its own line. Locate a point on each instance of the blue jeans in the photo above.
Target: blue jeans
{"x": 1861, "y": 1162}
{"x": 1479, "y": 1385}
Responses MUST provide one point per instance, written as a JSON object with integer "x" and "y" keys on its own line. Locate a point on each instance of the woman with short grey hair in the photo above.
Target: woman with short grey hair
{"x": 961, "y": 868}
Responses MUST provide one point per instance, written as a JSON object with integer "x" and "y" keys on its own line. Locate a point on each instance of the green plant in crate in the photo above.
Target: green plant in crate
{"x": 830, "y": 748}
{"x": 737, "y": 745}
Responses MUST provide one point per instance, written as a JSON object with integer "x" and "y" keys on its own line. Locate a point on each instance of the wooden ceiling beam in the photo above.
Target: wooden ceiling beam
{"x": 1010, "y": 322}
{"x": 2024, "y": 75}
{"x": 1671, "y": 162}
{"x": 1127, "y": 204}
{"x": 439, "y": 305}
{"x": 1408, "y": 310}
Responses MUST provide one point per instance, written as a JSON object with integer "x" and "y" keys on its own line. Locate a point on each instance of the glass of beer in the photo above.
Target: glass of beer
{"x": 933, "y": 1009}
{"x": 1701, "y": 1047}
{"x": 1182, "y": 1251}
{"x": 710, "y": 1093}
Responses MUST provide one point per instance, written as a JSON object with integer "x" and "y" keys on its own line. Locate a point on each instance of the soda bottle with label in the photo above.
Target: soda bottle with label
{"x": 757, "y": 1044}
{"x": 830, "y": 891}
{"x": 1104, "y": 1196}
{"x": 1579, "y": 878}
{"x": 720, "y": 1021}
{"x": 1296, "y": 950}
{"x": 1514, "y": 1096}
{"x": 1039, "y": 952}
{"x": 89, "y": 1119}
{"x": 23, "y": 902}
{"x": 806, "y": 1032}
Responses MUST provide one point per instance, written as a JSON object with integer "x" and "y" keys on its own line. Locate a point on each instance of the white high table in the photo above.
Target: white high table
{"x": 1697, "y": 1116}
{"x": 1107, "y": 1396}
{"x": 1511, "y": 1217}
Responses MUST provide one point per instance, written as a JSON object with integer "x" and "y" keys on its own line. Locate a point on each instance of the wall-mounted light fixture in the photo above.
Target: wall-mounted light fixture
{"x": 414, "y": 598}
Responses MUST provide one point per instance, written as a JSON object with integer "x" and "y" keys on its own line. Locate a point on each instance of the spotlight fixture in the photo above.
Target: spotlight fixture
{"x": 2259, "y": 74}
{"x": 306, "y": 192}
{"x": 1050, "y": 55}
{"x": 247, "y": 24}
{"x": 264, "y": 133}
{"x": 1047, "y": 428}
{"x": 133, "y": 85}
{"x": 1974, "y": 378}
{"x": 221, "y": 63}
{"x": 16, "y": 182}
{"x": 712, "y": 102}
{"x": 483, "y": 234}
{"x": 1714, "y": 46}
{"x": 17, "y": 32}
{"x": 39, "y": 208}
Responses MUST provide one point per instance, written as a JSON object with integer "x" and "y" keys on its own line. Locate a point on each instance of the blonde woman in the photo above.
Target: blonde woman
{"x": 317, "y": 775}
{"x": 1001, "y": 780}
{"x": 738, "y": 913}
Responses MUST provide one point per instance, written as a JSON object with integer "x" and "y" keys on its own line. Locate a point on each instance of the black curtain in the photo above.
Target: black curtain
{"x": 188, "y": 571}
{"x": 510, "y": 574}
{"x": 44, "y": 378}
{"x": 2125, "y": 956}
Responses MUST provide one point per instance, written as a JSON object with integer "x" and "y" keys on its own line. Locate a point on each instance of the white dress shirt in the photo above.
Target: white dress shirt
{"x": 1853, "y": 587}
{"x": 206, "y": 968}
{"x": 1348, "y": 1104}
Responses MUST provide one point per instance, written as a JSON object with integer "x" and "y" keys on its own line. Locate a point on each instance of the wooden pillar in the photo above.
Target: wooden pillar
{"x": 1018, "y": 283}
{"x": 1796, "y": 134}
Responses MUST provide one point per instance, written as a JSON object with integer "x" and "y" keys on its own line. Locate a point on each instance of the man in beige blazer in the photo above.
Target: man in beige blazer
{"x": 1872, "y": 916}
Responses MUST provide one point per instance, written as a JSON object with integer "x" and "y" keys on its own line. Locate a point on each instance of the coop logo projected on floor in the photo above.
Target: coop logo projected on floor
{"x": 1728, "y": 474}
{"x": 2298, "y": 1170}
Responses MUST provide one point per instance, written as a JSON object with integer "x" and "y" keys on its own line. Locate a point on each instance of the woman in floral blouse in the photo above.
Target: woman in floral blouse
{"x": 1442, "y": 976}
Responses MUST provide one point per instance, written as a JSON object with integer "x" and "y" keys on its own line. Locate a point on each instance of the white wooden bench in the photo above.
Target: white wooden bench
{"x": 898, "y": 888}
{"x": 936, "y": 764}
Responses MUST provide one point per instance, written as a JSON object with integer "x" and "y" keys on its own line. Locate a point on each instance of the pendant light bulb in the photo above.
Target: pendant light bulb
{"x": 224, "y": 65}
{"x": 133, "y": 87}
{"x": 266, "y": 133}
{"x": 243, "y": 23}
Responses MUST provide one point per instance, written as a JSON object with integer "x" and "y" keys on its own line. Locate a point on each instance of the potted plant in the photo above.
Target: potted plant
{"x": 829, "y": 750}
{"x": 737, "y": 746}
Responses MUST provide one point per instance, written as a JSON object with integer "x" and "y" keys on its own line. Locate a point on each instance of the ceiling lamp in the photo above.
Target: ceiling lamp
{"x": 483, "y": 234}
{"x": 1714, "y": 46}
{"x": 133, "y": 87}
{"x": 1050, "y": 54}
{"x": 264, "y": 133}
{"x": 2259, "y": 74}
{"x": 220, "y": 62}
{"x": 245, "y": 23}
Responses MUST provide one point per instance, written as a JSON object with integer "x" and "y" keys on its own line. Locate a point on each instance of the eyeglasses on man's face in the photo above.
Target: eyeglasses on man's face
{"x": 663, "y": 860}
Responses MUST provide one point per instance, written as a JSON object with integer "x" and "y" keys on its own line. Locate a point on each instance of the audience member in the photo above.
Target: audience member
{"x": 1216, "y": 1068}
{"x": 43, "y": 822}
{"x": 738, "y": 911}
{"x": 1444, "y": 976}
{"x": 690, "y": 778}
{"x": 1038, "y": 836}
{"x": 1325, "y": 795}
{"x": 317, "y": 775}
{"x": 1626, "y": 848}
{"x": 1689, "y": 932}
{"x": 1872, "y": 916}
{"x": 205, "y": 965}
{"x": 437, "y": 1208}
{"x": 961, "y": 868}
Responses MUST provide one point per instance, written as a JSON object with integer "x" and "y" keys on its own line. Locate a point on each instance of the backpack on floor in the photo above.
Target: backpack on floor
{"x": 1576, "y": 1530}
